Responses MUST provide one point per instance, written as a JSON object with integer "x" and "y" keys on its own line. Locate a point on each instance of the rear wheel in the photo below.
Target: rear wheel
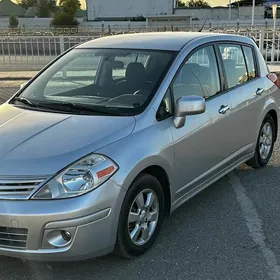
{"x": 141, "y": 217}
{"x": 265, "y": 144}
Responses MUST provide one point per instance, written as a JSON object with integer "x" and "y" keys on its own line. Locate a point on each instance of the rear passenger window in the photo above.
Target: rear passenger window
{"x": 198, "y": 76}
{"x": 248, "y": 52}
{"x": 234, "y": 63}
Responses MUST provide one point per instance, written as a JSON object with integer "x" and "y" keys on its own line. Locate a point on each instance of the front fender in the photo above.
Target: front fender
{"x": 150, "y": 146}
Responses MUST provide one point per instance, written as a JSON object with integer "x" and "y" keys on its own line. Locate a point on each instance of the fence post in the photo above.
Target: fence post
{"x": 61, "y": 48}
{"x": 273, "y": 48}
{"x": 261, "y": 42}
{"x": 61, "y": 43}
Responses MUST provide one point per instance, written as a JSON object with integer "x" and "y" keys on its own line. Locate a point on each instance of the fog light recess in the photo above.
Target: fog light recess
{"x": 59, "y": 238}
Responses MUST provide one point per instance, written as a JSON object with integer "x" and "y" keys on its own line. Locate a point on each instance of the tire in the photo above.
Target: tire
{"x": 144, "y": 186}
{"x": 260, "y": 160}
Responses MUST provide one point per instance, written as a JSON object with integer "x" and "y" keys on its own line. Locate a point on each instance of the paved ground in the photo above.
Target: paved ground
{"x": 231, "y": 231}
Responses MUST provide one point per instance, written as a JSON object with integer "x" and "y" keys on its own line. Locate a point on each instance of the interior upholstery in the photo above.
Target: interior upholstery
{"x": 135, "y": 78}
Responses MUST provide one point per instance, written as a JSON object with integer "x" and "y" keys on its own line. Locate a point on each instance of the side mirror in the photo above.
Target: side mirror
{"x": 186, "y": 106}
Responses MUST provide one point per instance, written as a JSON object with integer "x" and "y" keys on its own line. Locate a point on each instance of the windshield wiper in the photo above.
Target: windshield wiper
{"x": 69, "y": 106}
{"x": 24, "y": 101}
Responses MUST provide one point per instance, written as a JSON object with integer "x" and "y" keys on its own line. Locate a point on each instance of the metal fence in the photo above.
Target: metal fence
{"x": 19, "y": 52}
{"x": 33, "y": 52}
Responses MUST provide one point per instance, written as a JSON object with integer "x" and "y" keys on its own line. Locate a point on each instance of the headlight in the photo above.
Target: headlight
{"x": 81, "y": 177}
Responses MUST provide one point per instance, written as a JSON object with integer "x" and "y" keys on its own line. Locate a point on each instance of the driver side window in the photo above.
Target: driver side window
{"x": 198, "y": 76}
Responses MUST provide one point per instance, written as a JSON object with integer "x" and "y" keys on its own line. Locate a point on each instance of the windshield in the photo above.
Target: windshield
{"x": 116, "y": 81}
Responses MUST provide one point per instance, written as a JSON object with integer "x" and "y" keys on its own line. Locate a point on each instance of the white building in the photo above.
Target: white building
{"x": 164, "y": 13}
{"x": 221, "y": 13}
{"x": 127, "y": 9}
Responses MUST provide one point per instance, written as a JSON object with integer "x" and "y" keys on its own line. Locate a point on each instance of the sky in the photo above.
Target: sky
{"x": 218, "y": 2}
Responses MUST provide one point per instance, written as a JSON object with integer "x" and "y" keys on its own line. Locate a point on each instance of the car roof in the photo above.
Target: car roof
{"x": 169, "y": 41}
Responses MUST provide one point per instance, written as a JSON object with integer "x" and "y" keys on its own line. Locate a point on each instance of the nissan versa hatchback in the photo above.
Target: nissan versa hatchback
{"x": 116, "y": 133}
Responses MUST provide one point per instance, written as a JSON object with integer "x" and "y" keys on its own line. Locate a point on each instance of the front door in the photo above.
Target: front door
{"x": 202, "y": 143}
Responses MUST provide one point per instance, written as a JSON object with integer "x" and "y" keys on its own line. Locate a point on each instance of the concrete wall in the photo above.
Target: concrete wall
{"x": 222, "y": 13}
{"x": 168, "y": 22}
{"x": 246, "y": 12}
{"x": 127, "y": 8}
{"x": 43, "y": 23}
{"x": 199, "y": 13}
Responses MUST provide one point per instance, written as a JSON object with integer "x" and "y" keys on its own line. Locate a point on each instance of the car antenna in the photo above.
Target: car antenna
{"x": 202, "y": 26}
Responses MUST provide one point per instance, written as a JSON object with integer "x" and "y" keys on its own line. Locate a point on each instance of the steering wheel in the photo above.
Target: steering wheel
{"x": 141, "y": 92}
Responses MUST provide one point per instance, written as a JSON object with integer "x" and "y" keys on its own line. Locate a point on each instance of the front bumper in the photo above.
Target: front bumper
{"x": 92, "y": 220}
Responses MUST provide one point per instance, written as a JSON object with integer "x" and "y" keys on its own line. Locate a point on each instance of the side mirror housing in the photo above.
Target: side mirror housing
{"x": 186, "y": 106}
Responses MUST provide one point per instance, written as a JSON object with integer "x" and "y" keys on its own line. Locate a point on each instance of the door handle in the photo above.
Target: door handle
{"x": 259, "y": 91}
{"x": 224, "y": 109}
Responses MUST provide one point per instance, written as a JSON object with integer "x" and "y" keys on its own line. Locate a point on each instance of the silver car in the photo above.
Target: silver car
{"x": 115, "y": 134}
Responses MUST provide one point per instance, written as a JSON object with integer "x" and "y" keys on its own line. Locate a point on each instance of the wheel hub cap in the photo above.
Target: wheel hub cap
{"x": 265, "y": 141}
{"x": 143, "y": 217}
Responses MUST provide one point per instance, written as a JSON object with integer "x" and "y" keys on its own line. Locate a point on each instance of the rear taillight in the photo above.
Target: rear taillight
{"x": 273, "y": 78}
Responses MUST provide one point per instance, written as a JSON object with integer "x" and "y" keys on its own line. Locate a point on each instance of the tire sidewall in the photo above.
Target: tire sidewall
{"x": 263, "y": 162}
{"x": 124, "y": 243}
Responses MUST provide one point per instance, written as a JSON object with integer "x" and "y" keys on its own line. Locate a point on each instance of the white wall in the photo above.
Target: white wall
{"x": 222, "y": 13}
{"x": 200, "y": 13}
{"x": 43, "y": 23}
{"x": 246, "y": 12}
{"x": 127, "y": 8}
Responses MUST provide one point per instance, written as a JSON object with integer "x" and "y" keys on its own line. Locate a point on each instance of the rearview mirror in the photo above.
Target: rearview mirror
{"x": 186, "y": 106}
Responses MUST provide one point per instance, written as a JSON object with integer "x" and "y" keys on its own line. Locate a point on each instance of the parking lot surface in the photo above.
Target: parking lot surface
{"x": 229, "y": 231}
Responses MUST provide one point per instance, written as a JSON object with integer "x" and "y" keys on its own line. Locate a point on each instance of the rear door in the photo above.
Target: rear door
{"x": 246, "y": 91}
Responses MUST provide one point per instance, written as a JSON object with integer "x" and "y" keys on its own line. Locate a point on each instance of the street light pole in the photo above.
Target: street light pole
{"x": 253, "y": 13}
{"x": 274, "y": 15}
{"x": 229, "y": 10}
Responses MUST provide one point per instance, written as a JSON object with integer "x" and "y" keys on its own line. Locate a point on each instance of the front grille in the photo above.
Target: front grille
{"x": 18, "y": 188}
{"x": 13, "y": 238}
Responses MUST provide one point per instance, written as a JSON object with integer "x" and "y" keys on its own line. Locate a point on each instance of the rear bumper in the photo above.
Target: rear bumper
{"x": 91, "y": 219}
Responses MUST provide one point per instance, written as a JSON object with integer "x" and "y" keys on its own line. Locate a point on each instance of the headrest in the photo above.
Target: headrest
{"x": 135, "y": 71}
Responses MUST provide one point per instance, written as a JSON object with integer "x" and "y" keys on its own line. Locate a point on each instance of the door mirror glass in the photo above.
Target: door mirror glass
{"x": 186, "y": 106}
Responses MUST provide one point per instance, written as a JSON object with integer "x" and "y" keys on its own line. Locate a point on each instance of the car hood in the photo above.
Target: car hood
{"x": 42, "y": 143}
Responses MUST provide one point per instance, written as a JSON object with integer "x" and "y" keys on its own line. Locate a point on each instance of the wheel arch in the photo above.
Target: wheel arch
{"x": 271, "y": 108}
{"x": 159, "y": 173}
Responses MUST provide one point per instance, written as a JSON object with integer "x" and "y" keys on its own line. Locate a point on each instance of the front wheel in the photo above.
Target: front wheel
{"x": 265, "y": 143}
{"x": 141, "y": 217}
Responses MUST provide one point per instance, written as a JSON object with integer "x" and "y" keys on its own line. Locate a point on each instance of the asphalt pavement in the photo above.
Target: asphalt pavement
{"x": 230, "y": 231}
